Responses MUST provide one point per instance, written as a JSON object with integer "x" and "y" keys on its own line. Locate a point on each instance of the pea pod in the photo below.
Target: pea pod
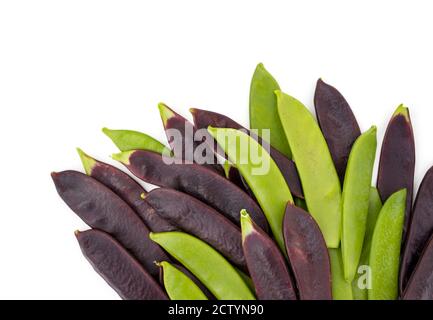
{"x": 385, "y": 248}
{"x": 420, "y": 285}
{"x": 126, "y": 188}
{"x": 356, "y": 191}
{"x": 337, "y": 122}
{"x": 397, "y": 161}
{"x": 341, "y": 289}
{"x": 266, "y": 181}
{"x": 361, "y": 281}
{"x": 421, "y": 228}
{"x": 210, "y": 267}
{"x": 266, "y": 264}
{"x": 316, "y": 169}
{"x": 127, "y": 140}
{"x": 263, "y": 108}
{"x": 204, "y": 119}
{"x": 178, "y": 285}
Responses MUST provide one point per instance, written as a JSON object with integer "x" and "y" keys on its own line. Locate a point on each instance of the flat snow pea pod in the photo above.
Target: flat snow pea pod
{"x": 361, "y": 282}
{"x": 195, "y": 180}
{"x": 121, "y": 271}
{"x": 397, "y": 160}
{"x": 307, "y": 254}
{"x": 264, "y": 178}
{"x": 263, "y": 108}
{"x": 316, "y": 169}
{"x": 420, "y": 229}
{"x": 126, "y": 188}
{"x": 127, "y": 140}
{"x": 102, "y": 209}
{"x": 266, "y": 264}
{"x": 356, "y": 192}
{"x": 178, "y": 285}
{"x": 209, "y": 266}
{"x": 198, "y": 219}
{"x": 341, "y": 289}
{"x": 337, "y": 122}
{"x": 187, "y": 144}
{"x": 193, "y": 278}
{"x": 420, "y": 285}
{"x": 385, "y": 248}
{"x": 204, "y": 119}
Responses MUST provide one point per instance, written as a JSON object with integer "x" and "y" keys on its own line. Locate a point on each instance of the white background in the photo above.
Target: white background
{"x": 68, "y": 68}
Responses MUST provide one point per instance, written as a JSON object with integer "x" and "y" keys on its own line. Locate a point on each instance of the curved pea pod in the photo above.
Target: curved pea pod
{"x": 126, "y": 188}
{"x": 192, "y": 277}
{"x": 385, "y": 248}
{"x": 420, "y": 285}
{"x": 184, "y": 141}
{"x": 127, "y": 140}
{"x": 361, "y": 282}
{"x": 209, "y": 266}
{"x": 397, "y": 160}
{"x": 178, "y": 285}
{"x": 200, "y": 220}
{"x": 341, "y": 289}
{"x": 337, "y": 122}
{"x": 261, "y": 174}
{"x": 420, "y": 228}
{"x": 233, "y": 174}
{"x": 316, "y": 169}
{"x": 102, "y": 209}
{"x": 193, "y": 179}
{"x": 356, "y": 192}
{"x": 118, "y": 268}
{"x": 307, "y": 254}
{"x": 263, "y": 108}
{"x": 266, "y": 263}
{"x": 204, "y": 119}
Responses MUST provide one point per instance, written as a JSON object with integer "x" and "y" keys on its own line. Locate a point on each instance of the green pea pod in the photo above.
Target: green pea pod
{"x": 127, "y": 140}
{"x": 341, "y": 289}
{"x": 210, "y": 267}
{"x": 264, "y": 178}
{"x": 385, "y": 248}
{"x": 178, "y": 285}
{"x": 361, "y": 282}
{"x": 316, "y": 169}
{"x": 263, "y": 109}
{"x": 356, "y": 192}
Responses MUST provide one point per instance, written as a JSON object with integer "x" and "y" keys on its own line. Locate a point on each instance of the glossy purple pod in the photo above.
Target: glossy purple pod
{"x": 185, "y": 142}
{"x": 337, "y": 122}
{"x": 204, "y": 119}
{"x": 198, "y": 219}
{"x": 195, "y": 180}
{"x": 397, "y": 161}
{"x": 308, "y": 254}
{"x": 118, "y": 268}
{"x": 266, "y": 264}
{"x": 126, "y": 188}
{"x": 102, "y": 209}
{"x": 420, "y": 285}
{"x": 420, "y": 228}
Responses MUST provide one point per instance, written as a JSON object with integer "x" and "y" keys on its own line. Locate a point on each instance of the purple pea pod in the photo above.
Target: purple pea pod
{"x": 337, "y": 122}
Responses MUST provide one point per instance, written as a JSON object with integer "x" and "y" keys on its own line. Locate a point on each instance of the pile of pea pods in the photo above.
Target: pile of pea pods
{"x": 311, "y": 227}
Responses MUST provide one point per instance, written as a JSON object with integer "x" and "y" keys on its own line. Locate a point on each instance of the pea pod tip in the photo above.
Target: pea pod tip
{"x": 87, "y": 161}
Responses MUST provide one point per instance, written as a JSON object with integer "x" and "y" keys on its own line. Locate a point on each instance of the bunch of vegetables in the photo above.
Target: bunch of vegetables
{"x": 310, "y": 227}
